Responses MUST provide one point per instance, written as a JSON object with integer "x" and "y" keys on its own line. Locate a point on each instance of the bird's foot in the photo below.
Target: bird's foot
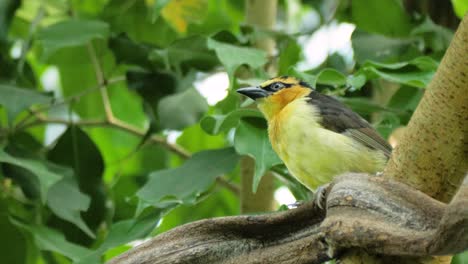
{"x": 320, "y": 196}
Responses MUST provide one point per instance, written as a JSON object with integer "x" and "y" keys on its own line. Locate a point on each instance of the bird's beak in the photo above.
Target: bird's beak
{"x": 253, "y": 92}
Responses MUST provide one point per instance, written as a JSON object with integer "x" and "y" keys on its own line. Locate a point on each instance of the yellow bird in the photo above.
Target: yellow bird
{"x": 315, "y": 135}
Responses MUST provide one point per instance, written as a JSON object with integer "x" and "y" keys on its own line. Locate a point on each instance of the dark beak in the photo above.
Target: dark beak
{"x": 253, "y": 92}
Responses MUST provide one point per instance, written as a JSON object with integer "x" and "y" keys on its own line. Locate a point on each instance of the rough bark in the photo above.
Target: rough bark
{"x": 378, "y": 215}
{"x": 432, "y": 156}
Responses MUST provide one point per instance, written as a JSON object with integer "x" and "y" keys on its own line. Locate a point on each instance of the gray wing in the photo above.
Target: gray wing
{"x": 339, "y": 118}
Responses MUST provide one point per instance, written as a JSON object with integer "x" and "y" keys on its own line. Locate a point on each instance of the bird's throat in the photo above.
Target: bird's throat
{"x": 273, "y": 104}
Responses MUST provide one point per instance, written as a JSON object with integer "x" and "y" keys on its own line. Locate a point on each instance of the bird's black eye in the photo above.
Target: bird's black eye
{"x": 277, "y": 86}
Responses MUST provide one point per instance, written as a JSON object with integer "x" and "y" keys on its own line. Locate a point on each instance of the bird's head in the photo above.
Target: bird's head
{"x": 273, "y": 95}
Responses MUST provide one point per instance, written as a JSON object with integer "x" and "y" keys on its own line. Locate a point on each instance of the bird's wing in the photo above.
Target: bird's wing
{"x": 339, "y": 118}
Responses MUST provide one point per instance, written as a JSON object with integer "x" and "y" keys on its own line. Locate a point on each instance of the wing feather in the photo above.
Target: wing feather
{"x": 340, "y": 119}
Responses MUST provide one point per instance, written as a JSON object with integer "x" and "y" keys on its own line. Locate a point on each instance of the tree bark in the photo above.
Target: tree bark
{"x": 371, "y": 213}
{"x": 432, "y": 156}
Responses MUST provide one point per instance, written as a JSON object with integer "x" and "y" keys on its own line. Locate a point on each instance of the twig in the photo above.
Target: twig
{"x": 77, "y": 96}
{"x": 228, "y": 185}
{"x": 101, "y": 82}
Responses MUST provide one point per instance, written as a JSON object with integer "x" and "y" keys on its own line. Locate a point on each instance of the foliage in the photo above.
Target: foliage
{"x": 93, "y": 92}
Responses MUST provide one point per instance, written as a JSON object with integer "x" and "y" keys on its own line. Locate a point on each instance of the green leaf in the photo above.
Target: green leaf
{"x": 76, "y": 150}
{"x": 70, "y": 33}
{"x": 15, "y": 99}
{"x": 129, "y": 52}
{"x": 190, "y": 52}
{"x": 460, "y": 258}
{"x": 460, "y": 7}
{"x": 380, "y": 48}
{"x": 67, "y": 201}
{"x": 7, "y": 11}
{"x": 232, "y": 56}
{"x": 157, "y": 7}
{"x": 424, "y": 63}
{"x": 253, "y": 141}
{"x": 185, "y": 183}
{"x": 330, "y": 77}
{"x": 129, "y": 230}
{"x": 181, "y": 110}
{"x": 195, "y": 139}
{"x": 356, "y": 81}
{"x": 220, "y": 203}
{"x": 308, "y": 78}
{"x": 46, "y": 176}
{"x": 51, "y": 240}
{"x": 415, "y": 79}
{"x": 417, "y": 72}
{"x": 216, "y": 124}
{"x": 13, "y": 245}
{"x": 388, "y": 17}
{"x": 133, "y": 20}
{"x": 436, "y": 37}
{"x": 289, "y": 56}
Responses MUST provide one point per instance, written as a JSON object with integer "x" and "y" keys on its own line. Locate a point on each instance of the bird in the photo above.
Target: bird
{"x": 315, "y": 135}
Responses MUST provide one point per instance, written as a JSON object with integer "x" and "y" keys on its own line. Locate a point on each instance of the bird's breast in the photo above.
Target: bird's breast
{"x": 313, "y": 154}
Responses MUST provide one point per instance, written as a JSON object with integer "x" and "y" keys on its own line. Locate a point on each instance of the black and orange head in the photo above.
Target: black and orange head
{"x": 276, "y": 93}
{"x": 273, "y": 86}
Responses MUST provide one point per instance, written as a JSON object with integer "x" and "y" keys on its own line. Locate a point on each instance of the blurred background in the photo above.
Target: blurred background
{"x": 119, "y": 118}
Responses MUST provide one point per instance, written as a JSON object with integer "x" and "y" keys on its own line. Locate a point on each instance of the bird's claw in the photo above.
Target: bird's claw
{"x": 320, "y": 196}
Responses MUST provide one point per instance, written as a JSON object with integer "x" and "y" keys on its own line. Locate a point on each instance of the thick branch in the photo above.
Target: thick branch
{"x": 372, "y": 213}
{"x": 432, "y": 155}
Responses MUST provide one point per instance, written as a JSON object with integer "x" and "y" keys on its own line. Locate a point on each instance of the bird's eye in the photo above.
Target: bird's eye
{"x": 277, "y": 86}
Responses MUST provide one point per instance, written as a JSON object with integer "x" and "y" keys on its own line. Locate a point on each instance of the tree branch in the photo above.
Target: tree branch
{"x": 378, "y": 215}
{"x": 432, "y": 155}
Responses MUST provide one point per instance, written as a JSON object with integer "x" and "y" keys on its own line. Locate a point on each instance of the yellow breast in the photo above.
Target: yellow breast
{"x": 315, "y": 155}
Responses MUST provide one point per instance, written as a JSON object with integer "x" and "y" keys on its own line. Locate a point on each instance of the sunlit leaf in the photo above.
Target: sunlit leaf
{"x": 181, "y": 13}
{"x": 253, "y": 141}
{"x": 460, "y": 7}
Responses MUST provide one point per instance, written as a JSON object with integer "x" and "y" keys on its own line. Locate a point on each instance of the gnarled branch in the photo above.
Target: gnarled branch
{"x": 376, "y": 214}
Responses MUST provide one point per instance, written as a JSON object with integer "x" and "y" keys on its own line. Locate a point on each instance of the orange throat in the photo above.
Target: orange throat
{"x": 273, "y": 104}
